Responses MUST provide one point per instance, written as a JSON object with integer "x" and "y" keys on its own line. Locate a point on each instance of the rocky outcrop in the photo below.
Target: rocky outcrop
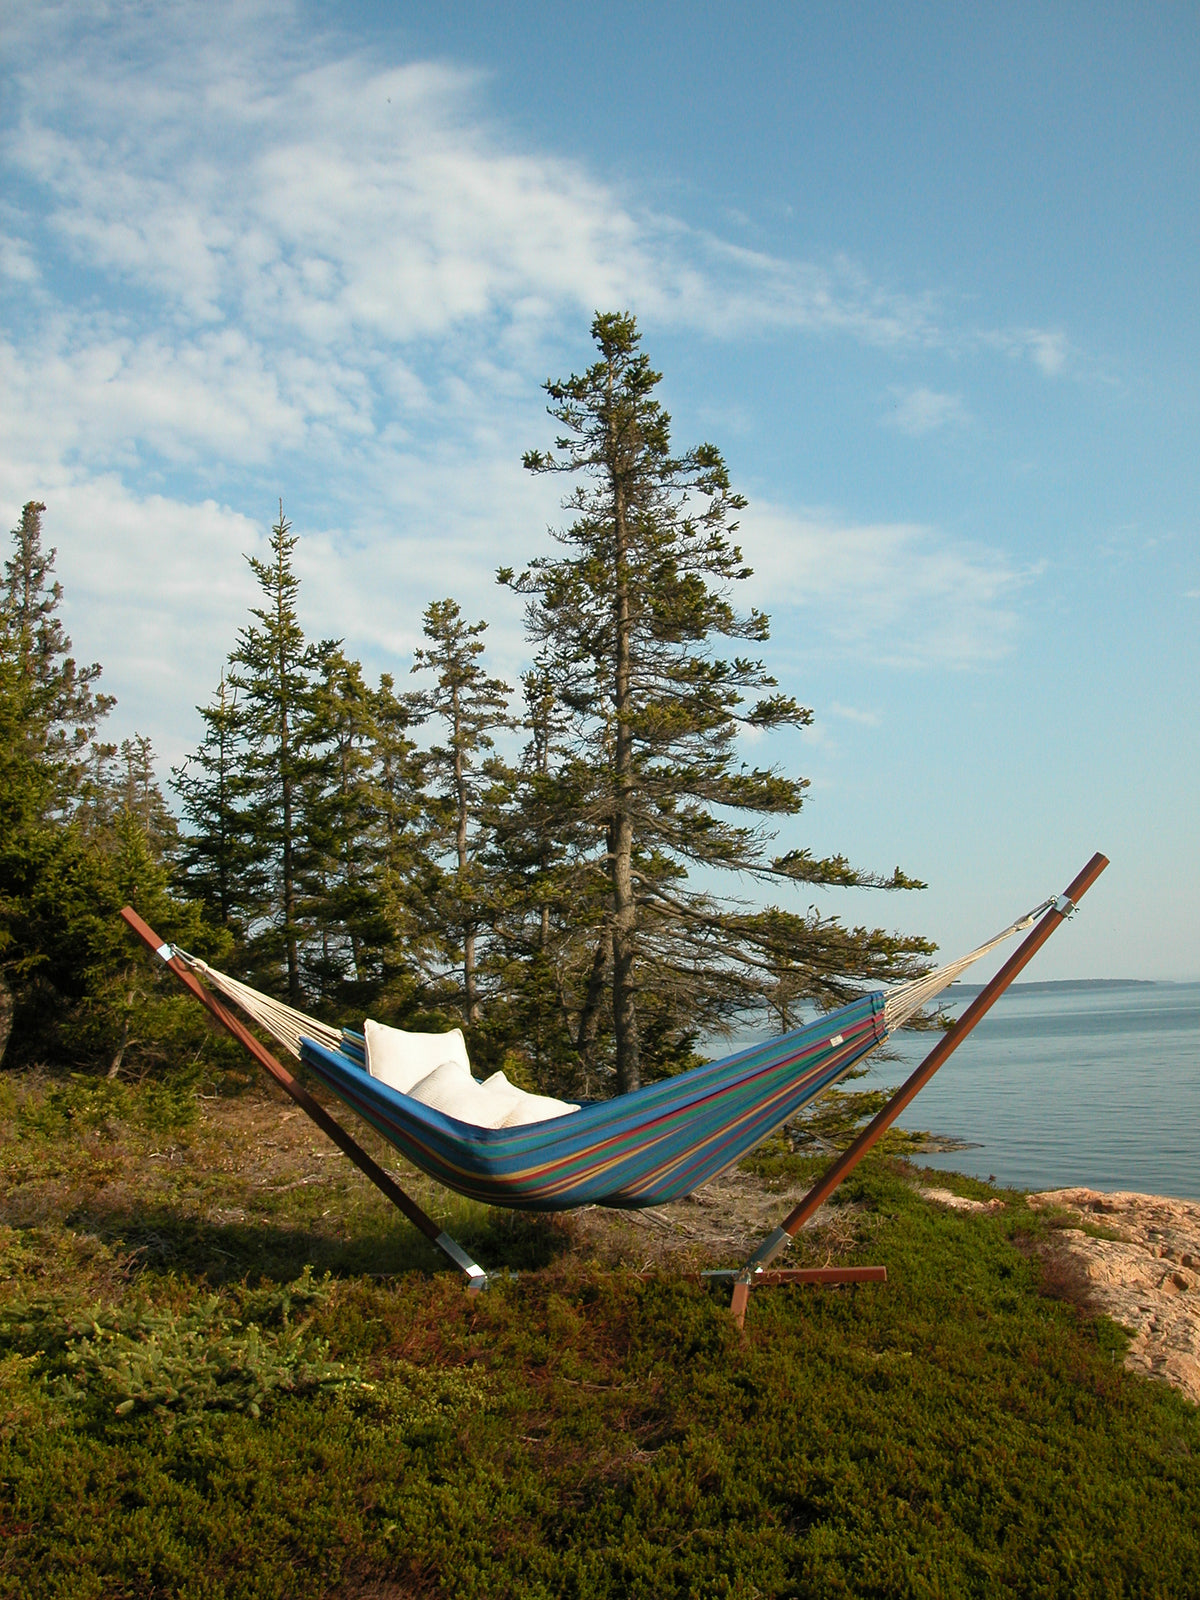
{"x": 1145, "y": 1274}
{"x": 958, "y": 1202}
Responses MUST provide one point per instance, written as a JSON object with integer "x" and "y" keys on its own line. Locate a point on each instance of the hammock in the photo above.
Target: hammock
{"x": 657, "y": 1144}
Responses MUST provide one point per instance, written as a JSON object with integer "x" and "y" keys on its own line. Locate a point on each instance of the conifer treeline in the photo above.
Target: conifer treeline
{"x": 367, "y": 849}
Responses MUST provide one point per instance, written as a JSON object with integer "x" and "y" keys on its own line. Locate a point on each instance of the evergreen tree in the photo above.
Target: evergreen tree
{"x": 49, "y": 712}
{"x": 272, "y": 672}
{"x": 399, "y": 961}
{"x": 399, "y": 808}
{"x": 60, "y": 708}
{"x": 628, "y": 620}
{"x": 341, "y": 878}
{"x": 470, "y": 783}
{"x": 304, "y": 812}
{"x": 553, "y": 900}
{"x": 83, "y": 830}
{"x": 129, "y": 1015}
{"x": 218, "y": 865}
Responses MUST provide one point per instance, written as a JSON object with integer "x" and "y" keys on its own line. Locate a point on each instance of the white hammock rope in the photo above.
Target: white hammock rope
{"x": 283, "y": 1023}
{"x": 902, "y": 1003}
{"x": 289, "y": 1026}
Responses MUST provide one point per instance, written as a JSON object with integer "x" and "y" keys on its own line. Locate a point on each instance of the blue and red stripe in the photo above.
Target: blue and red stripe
{"x": 640, "y": 1149}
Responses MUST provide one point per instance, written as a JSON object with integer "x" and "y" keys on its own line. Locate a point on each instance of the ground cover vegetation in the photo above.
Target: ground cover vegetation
{"x": 446, "y": 852}
{"x": 228, "y": 1369}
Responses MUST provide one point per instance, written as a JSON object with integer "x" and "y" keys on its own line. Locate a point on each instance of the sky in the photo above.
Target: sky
{"x": 924, "y": 273}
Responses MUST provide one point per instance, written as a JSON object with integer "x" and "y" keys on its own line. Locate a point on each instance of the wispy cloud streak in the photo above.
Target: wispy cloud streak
{"x": 899, "y": 594}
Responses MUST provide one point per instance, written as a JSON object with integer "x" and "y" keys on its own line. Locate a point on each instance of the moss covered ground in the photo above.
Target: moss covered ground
{"x": 227, "y": 1370}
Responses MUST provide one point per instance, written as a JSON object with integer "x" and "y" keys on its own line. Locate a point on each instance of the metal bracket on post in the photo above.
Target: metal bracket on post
{"x": 477, "y": 1278}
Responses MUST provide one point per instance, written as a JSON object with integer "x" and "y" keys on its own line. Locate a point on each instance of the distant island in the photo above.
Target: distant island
{"x": 1059, "y": 985}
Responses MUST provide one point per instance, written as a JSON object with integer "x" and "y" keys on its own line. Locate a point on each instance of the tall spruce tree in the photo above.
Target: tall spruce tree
{"x": 272, "y": 671}
{"x": 628, "y": 621}
{"x": 128, "y": 1011}
{"x": 60, "y": 705}
{"x": 469, "y": 781}
{"x": 217, "y": 862}
{"x": 83, "y": 830}
{"x": 49, "y": 713}
{"x": 345, "y": 856}
{"x": 407, "y": 880}
{"x": 553, "y": 978}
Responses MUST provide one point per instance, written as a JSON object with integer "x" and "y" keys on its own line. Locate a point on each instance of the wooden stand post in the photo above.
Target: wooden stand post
{"x": 474, "y": 1273}
{"x": 754, "y": 1272}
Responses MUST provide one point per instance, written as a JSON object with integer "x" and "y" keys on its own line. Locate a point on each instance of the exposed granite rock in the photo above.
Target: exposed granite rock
{"x": 1146, "y": 1277}
{"x": 958, "y": 1202}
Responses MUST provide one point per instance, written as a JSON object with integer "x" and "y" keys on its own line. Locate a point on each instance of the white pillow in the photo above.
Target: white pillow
{"x": 536, "y": 1108}
{"x": 401, "y": 1059}
{"x": 450, "y": 1088}
{"x": 496, "y": 1103}
{"x": 502, "y": 1097}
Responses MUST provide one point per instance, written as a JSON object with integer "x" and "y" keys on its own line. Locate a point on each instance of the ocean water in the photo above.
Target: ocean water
{"x": 1065, "y": 1084}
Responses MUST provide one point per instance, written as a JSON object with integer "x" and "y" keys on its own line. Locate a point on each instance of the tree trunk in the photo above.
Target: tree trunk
{"x": 117, "y": 1059}
{"x": 115, "y": 1068}
{"x": 625, "y": 1026}
{"x": 6, "y": 1014}
{"x": 470, "y": 996}
{"x": 589, "y": 1017}
{"x": 295, "y": 997}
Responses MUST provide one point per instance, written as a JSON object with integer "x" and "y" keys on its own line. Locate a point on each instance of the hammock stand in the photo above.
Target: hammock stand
{"x": 660, "y": 1143}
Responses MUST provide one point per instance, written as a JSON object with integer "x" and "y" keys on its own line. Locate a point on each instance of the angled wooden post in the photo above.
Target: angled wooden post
{"x": 775, "y": 1242}
{"x": 474, "y": 1273}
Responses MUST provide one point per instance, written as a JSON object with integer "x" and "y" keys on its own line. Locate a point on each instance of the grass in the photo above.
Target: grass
{"x": 228, "y": 1370}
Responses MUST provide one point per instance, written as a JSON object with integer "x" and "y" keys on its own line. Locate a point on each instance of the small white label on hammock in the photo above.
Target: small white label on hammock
{"x": 164, "y": 952}
{"x": 837, "y": 1039}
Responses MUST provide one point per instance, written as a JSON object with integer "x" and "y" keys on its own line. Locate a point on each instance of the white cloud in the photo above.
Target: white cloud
{"x": 1048, "y": 350}
{"x": 17, "y": 260}
{"x": 347, "y": 202}
{"x": 288, "y": 251}
{"x": 866, "y": 719}
{"x": 920, "y": 411}
{"x": 898, "y": 594}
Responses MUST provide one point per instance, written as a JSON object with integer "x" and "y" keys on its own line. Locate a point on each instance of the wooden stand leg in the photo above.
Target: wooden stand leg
{"x": 778, "y": 1240}
{"x": 475, "y": 1275}
{"x": 741, "y": 1298}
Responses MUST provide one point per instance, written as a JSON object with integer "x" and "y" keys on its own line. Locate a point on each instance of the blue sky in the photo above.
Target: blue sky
{"x": 926, "y": 274}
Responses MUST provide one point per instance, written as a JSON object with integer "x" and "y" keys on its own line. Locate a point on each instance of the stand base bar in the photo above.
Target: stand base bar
{"x": 827, "y": 1275}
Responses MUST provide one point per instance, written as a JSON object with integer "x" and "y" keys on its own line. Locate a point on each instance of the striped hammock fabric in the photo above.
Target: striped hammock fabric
{"x": 641, "y": 1149}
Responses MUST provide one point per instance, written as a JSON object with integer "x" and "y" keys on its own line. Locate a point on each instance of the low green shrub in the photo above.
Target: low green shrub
{"x": 955, "y": 1432}
{"x": 210, "y": 1356}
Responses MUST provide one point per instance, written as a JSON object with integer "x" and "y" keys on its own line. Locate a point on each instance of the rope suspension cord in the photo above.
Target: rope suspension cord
{"x": 287, "y": 1025}
{"x": 282, "y": 1022}
{"x": 902, "y": 1003}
